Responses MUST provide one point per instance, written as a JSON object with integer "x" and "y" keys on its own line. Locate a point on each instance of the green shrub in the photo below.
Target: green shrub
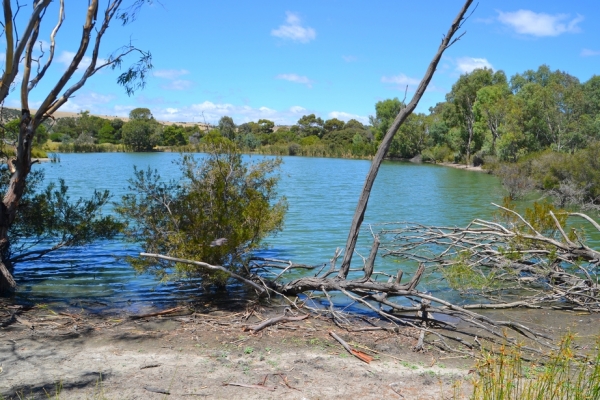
{"x": 216, "y": 197}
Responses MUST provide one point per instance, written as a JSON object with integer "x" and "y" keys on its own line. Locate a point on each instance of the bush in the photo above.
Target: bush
{"x": 562, "y": 376}
{"x": 216, "y": 197}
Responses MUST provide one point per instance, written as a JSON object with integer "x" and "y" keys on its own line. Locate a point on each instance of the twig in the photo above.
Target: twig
{"x": 273, "y": 321}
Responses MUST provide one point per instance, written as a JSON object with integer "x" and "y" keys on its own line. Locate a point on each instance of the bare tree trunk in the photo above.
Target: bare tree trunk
{"x": 20, "y": 168}
{"x": 363, "y": 200}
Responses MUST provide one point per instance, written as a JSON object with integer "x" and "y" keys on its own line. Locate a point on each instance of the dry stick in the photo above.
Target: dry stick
{"x": 248, "y": 386}
{"x": 156, "y": 390}
{"x": 363, "y": 200}
{"x": 356, "y": 353}
{"x": 273, "y": 321}
{"x": 207, "y": 266}
{"x": 155, "y": 314}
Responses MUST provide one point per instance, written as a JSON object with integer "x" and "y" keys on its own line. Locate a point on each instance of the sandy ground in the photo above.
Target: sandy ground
{"x": 206, "y": 353}
{"x": 465, "y": 167}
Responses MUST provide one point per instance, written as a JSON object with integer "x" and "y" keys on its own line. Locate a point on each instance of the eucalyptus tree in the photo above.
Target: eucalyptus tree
{"x": 227, "y": 127}
{"x": 463, "y": 97}
{"x": 22, "y": 34}
{"x": 554, "y": 102}
{"x": 491, "y": 108}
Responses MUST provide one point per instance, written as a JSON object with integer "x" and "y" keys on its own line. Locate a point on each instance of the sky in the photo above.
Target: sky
{"x": 280, "y": 60}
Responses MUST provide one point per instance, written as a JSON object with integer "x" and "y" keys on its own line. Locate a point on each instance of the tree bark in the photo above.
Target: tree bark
{"x": 363, "y": 200}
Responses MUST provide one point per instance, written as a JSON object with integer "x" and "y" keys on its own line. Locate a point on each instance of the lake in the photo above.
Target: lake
{"x": 322, "y": 195}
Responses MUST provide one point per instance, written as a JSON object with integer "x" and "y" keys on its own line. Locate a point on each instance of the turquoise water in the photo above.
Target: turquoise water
{"x": 322, "y": 195}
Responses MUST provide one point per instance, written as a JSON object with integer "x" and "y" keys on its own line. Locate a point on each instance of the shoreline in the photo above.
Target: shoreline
{"x": 463, "y": 167}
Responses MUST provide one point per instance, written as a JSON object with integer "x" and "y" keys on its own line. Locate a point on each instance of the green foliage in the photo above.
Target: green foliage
{"x": 504, "y": 375}
{"x": 219, "y": 196}
{"x": 141, "y": 113}
{"x": 48, "y": 219}
{"x": 385, "y": 113}
{"x": 141, "y": 134}
{"x": 463, "y": 276}
{"x": 227, "y": 127}
{"x": 310, "y": 125}
{"x": 174, "y": 135}
{"x": 106, "y": 134}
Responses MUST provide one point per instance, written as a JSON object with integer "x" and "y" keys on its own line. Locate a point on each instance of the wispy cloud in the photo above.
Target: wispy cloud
{"x": 66, "y": 57}
{"x": 173, "y": 75}
{"x": 296, "y": 79}
{"x": 527, "y": 22}
{"x": 350, "y": 58}
{"x": 170, "y": 74}
{"x": 344, "y": 116}
{"x": 465, "y": 65}
{"x": 400, "y": 80}
{"x": 293, "y": 30}
{"x": 212, "y": 112}
{"x": 88, "y": 101}
{"x": 297, "y": 110}
{"x": 590, "y": 53}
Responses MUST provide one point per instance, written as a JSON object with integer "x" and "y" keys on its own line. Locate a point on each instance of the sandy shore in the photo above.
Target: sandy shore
{"x": 206, "y": 354}
{"x": 463, "y": 166}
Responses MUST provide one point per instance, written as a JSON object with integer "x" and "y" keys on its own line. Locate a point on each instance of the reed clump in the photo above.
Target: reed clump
{"x": 562, "y": 375}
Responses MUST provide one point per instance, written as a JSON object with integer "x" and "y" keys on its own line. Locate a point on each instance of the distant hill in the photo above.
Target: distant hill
{"x": 8, "y": 114}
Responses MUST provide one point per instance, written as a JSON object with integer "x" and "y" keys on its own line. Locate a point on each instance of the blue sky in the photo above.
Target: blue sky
{"x": 336, "y": 58}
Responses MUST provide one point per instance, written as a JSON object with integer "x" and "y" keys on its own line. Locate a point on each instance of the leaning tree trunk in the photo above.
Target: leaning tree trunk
{"x": 363, "y": 200}
{"x": 20, "y": 166}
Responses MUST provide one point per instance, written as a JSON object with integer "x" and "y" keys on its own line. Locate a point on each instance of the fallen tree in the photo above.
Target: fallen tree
{"x": 518, "y": 263}
{"x": 515, "y": 259}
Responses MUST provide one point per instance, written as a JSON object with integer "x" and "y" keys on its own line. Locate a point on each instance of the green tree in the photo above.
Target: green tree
{"x": 174, "y": 135}
{"x": 106, "y": 134}
{"x": 141, "y": 113}
{"x": 333, "y": 124}
{"x": 227, "y": 127}
{"x": 554, "y": 103}
{"x": 265, "y": 126}
{"x": 385, "y": 112}
{"x": 463, "y": 97}
{"x": 140, "y": 135}
{"x": 141, "y": 132}
{"x": 22, "y": 37}
{"x": 310, "y": 125}
{"x": 219, "y": 212}
{"x": 491, "y": 109}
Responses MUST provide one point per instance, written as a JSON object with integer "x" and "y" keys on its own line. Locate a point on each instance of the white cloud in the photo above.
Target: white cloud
{"x": 66, "y": 57}
{"x": 211, "y": 112}
{"x": 467, "y": 64}
{"x": 527, "y": 22}
{"x": 170, "y": 74}
{"x": 173, "y": 75}
{"x": 401, "y": 80}
{"x": 2, "y": 57}
{"x": 178, "y": 84}
{"x": 297, "y": 109}
{"x": 88, "y": 101}
{"x": 293, "y": 30}
{"x": 589, "y": 53}
{"x": 350, "y": 58}
{"x": 344, "y": 116}
{"x": 296, "y": 79}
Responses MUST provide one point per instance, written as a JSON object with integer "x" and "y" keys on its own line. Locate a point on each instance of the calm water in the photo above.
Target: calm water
{"x": 322, "y": 195}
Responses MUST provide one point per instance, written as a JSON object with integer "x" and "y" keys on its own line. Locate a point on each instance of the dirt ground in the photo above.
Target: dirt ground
{"x": 205, "y": 353}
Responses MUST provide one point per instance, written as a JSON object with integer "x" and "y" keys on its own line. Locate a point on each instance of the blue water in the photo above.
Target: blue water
{"x": 322, "y": 195}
